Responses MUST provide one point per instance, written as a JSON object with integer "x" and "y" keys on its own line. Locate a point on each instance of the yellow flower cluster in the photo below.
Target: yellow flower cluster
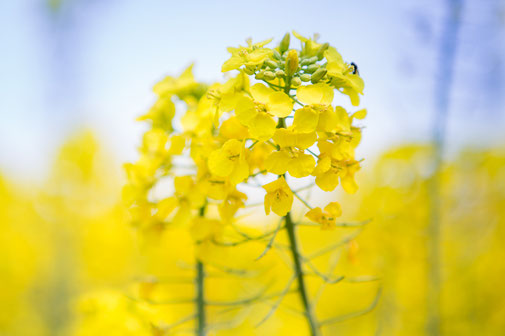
{"x": 284, "y": 125}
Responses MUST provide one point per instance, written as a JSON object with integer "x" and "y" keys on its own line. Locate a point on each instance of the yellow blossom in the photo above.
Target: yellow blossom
{"x": 182, "y": 86}
{"x": 279, "y": 197}
{"x": 177, "y": 144}
{"x": 310, "y": 46}
{"x": 161, "y": 114}
{"x": 205, "y": 229}
{"x": 233, "y": 129}
{"x": 257, "y": 156}
{"x": 342, "y": 76}
{"x": 231, "y": 204}
{"x": 229, "y": 161}
{"x": 318, "y": 98}
{"x": 154, "y": 142}
{"x": 253, "y": 54}
{"x": 186, "y": 197}
{"x": 332, "y": 167}
{"x": 327, "y": 218}
{"x": 257, "y": 112}
{"x": 294, "y": 161}
{"x": 224, "y": 97}
{"x": 288, "y": 137}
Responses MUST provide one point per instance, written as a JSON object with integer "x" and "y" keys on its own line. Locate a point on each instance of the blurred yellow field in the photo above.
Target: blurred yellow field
{"x": 266, "y": 187}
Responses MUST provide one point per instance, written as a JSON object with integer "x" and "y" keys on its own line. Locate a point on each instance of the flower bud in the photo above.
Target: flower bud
{"x": 321, "y": 50}
{"x": 280, "y": 73}
{"x": 296, "y": 82}
{"x": 249, "y": 71}
{"x": 268, "y": 75}
{"x": 305, "y": 77}
{"x": 316, "y": 76}
{"x": 271, "y": 64}
{"x": 291, "y": 62}
{"x": 312, "y": 68}
{"x": 260, "y": 75}
{"x": 304, "y": 61}
{"x": 284, "y": 45}
{"x": 277, "y": 55}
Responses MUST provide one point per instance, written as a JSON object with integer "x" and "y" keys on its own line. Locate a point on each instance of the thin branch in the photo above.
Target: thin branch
{"x": 334, "y": 246}
{"x": 326, "y": 278}
{"x": 181, "y": 321}
{"x": 355, "y": 314}
{"x": 253, "y": 144}
{"x": 301, "y": 199}
{"x": 311, "y": 152}
{"x": 343, "y": 224}
{"x": 165, "y": 302}
{"x": 331, "y": 268}
{"x": 278, "y": 302}
{"x": 271, "y": 242}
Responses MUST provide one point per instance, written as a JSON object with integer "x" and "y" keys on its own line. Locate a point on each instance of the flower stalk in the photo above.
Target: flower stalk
{"x": 302, "y": 288}
{"x": 200, "y": 298}
{"x": 200, "y": 291}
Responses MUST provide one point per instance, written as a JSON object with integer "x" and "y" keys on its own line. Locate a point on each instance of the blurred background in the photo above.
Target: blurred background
{"x": 74, "y": 75}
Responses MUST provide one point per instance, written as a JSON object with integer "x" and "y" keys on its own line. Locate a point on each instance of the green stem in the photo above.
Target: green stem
{"x": 293, "y": 243}
{"x": 200, "y": 301}
{"x": 200, "y": 294}
{"x": 302, "y": 290}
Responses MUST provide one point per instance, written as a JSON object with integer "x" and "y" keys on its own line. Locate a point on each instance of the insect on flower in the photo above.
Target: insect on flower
{"x": 354, "y": 67}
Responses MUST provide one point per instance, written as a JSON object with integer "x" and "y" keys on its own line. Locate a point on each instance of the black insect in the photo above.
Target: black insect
{"x": 354, "y": 67}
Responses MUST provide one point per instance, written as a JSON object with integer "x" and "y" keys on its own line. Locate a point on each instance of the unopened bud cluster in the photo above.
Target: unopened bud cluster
{"x": 298, "y": 66}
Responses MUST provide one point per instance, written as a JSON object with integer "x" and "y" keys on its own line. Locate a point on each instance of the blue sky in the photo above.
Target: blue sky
{"x": 94, "y": 63}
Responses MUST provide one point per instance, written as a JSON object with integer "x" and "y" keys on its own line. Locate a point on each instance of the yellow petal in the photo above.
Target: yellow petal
{"x": 240, "y": 172}
{"x": 305, "y": 140}
{"x": 233, "y": 129}
{"x": 219, "y": 164}
{"x": 177, "y": 144}
{"x": 334, "y": 209}
{"x": 229, "y": 101}
{"x": 334, "y": 58}
{"x": 314, "y": 214}
{"x": 302, "y": 165}
{"x": 343, "y": 121}
{"x": 315, "y": 94}
{"x": 262, "y": 127}
{"x": 328, "y": 121}
{"x": 280, "y": 183}
{"x": 245, "y": 110}
{"x": 268, "y": 203}
{"x": 261, "y": 93}
{"x": 306, "y": 120}
{"x": 278, "y": 162}
{"x": 183, "y": 184}
{"x": 327, "y": 181}
{"x": 166, "y": 206}
{"x": 283, "y": 205}
{"x": 279, "y": 104}
{"x": 349, "y": 184}
{"x": 361, "y": 114}
{"x": 323, "y": 165}
{"x": 233, "y": 63}
{"x": 258, "y": 56}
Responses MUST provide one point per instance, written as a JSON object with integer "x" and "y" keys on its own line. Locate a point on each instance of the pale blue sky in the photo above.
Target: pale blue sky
{"x": 94, "y": 63}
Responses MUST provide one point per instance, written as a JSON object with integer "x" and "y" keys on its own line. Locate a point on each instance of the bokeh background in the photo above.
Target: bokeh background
{"x": 74, "y": 75}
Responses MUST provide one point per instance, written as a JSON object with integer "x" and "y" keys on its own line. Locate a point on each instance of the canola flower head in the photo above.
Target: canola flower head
{"x": 277, "y": 119}
{"x": 276, "y": 115}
